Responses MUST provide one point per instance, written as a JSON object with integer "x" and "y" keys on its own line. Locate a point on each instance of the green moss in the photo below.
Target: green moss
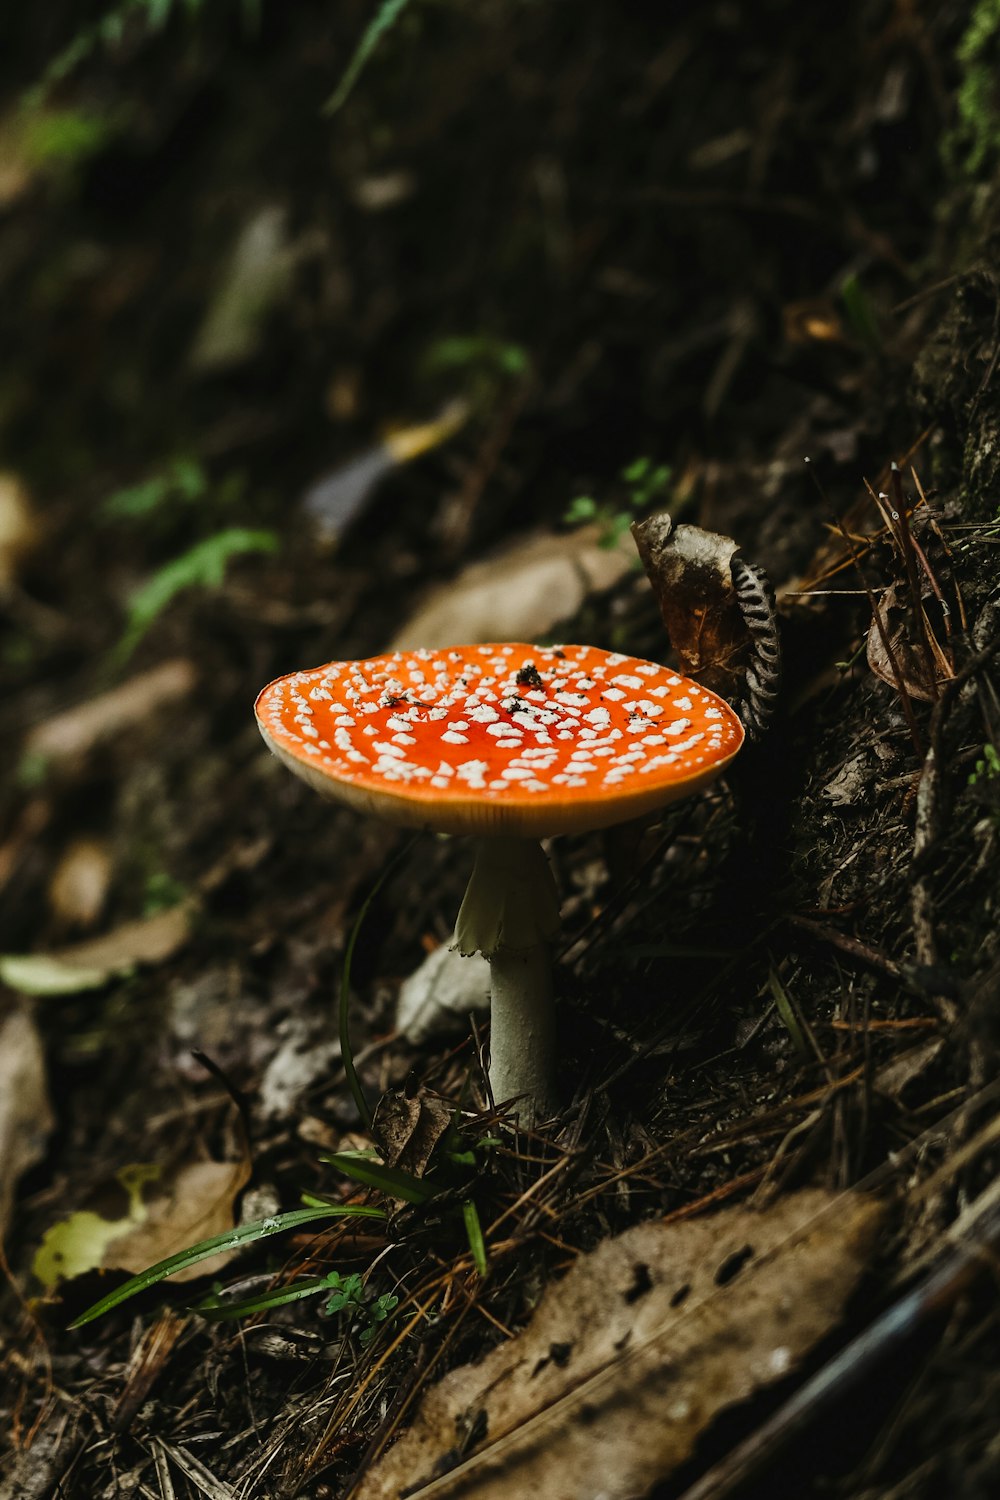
{"x": 972, "y": 148}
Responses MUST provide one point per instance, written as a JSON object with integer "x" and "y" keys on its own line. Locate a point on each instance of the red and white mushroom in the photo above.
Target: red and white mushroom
{"x": 509, "y": 743}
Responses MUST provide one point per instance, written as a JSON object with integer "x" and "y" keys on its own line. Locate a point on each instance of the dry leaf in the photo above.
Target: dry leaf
{"x": 103, "y": 718}
{"x": 87, "y": 966}
{"x": 437, "y": 998}
{"x": 912, "y": 665}
{"x": 408, "y": 1128}
{"x": 631, "y": 1356}
{"x": 19, "y": 532}
{"x": 518, "y": 594}
{"x": 689, "y": 572}
{"x": 80, "y": 882}
{"x": 25, "y": 1114}
{"x": 197, "y": 1204}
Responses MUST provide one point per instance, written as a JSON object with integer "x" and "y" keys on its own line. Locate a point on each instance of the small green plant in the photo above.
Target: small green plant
{"x": 484, "y": 362}
{"x": 202, "y": 566}
{"x": 646, "y": 484}
{"x": 162, "y": 893}
{"x": 456, "y": 1162}
{"x": 348, "y": 1295}
{"x": 183, "y": 482}
{"x": 61, "y": 140}
{"x": 988, "y": 767}
{"x": 477, "y": 352}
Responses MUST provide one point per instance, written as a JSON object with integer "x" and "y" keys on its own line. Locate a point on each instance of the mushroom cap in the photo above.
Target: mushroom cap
{"x": 506, "y": 740}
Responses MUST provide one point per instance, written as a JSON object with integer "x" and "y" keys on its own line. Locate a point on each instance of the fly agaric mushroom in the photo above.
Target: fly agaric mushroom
{"x": 509, "y": 743}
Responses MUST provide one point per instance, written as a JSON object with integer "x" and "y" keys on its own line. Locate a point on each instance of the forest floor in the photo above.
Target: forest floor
{"x": 273, "y": 376}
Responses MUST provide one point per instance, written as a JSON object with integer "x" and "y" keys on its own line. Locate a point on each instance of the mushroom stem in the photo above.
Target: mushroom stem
{"x": 510, "y": 914}
{"x": 523, "y": 1032}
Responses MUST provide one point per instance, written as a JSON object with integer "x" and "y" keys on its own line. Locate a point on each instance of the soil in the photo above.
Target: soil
{"x": 723, "y": 239}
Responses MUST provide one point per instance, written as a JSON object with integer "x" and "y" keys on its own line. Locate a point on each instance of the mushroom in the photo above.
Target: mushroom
{"x": 509, "y": 743}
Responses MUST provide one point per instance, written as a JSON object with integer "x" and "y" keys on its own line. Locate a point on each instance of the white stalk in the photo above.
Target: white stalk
{"x": 511, "y": 915}
{"x": 523, "y": 1032}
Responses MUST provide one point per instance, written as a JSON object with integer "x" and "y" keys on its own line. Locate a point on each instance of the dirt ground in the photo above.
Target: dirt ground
{"x": 272, "y": 374}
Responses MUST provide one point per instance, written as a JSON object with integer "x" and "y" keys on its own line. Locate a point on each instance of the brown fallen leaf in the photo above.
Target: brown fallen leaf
{"x": 80, "y": 882}
{"x": 159, "y": 1221}
{"x": 915, "y": 669}
{"x": 19, "y": 530}
{"x": 634, "y": 1353}
{"x": 197, "y": 1205}
{"x": 689, "y": 573}
{"x": 79, "y": 729}
{"x": 25, "y": 1114}
{"x": 88, "y": 966}
{"x": 407, "y": 1128}
{"x": 518, "y": 594}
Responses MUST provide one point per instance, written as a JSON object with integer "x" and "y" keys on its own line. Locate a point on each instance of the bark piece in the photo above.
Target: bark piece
{"x": 634, "y": 1353}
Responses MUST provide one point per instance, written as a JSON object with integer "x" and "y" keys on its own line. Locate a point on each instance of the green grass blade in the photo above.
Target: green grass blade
{"x": 214, "y": 1311}
{"x": 474, "y": 1230}
{"x": 385, "y": 17}
{"x": 245, "y": 1234}
{"x": 392, "y": 1181}
{"x": 786, "y": 1011}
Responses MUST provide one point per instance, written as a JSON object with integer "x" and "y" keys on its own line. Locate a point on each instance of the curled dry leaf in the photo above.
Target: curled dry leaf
{"x": 519, "y": 594}
{"x": 914, "y": 668}
{"x": 634, "y": 1353}
{"x": 689, "y": 573}
{"x": 25, "y": 1114}
{"x": 407, "y": 1128}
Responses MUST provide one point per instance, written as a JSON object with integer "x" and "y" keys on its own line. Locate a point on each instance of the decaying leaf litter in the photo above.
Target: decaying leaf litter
{"x": 790, "y": 984}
